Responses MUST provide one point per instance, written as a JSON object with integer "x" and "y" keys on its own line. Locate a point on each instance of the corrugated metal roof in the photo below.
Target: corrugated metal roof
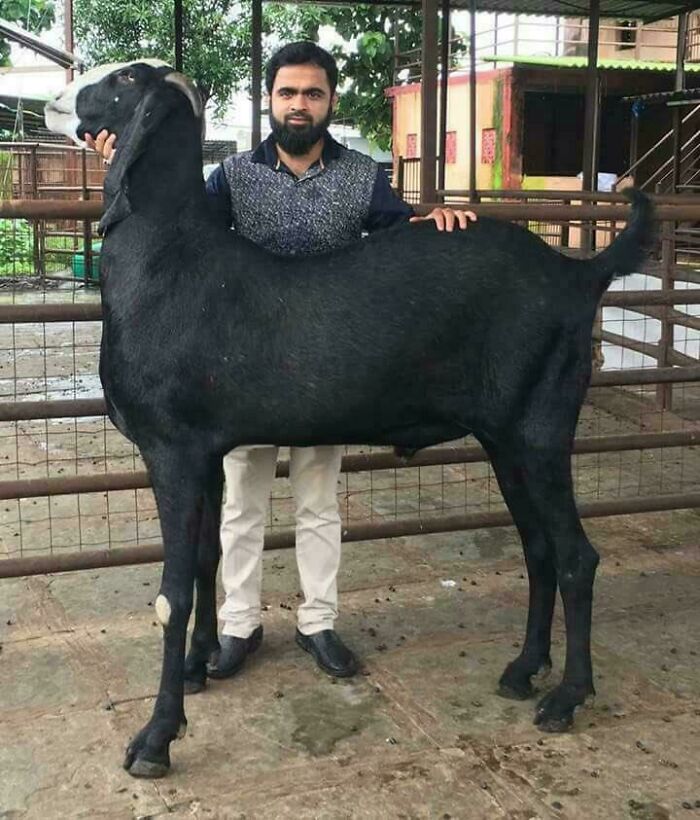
{"x": 582, "y": 62}
{"x": 687, "y": 96}
{"x": 618, "y": 9}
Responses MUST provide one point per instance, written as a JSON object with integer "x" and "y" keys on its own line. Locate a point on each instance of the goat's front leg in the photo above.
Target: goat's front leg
{"x": 178, "y": 483}
{"x": 205, "y": 641}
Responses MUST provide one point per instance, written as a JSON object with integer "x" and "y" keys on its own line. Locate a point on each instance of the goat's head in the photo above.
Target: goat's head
{"x": 109, "y": 96}
{"x": 130, "y": 100}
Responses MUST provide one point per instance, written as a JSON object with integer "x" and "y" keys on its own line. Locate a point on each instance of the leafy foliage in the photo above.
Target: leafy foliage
{"x": 16, "y": 247}
{"x": 216, "y": 37}
{"x": 216, "y": 46}
{"x": 32, "y": 15}
{"x": 366, "y": 62}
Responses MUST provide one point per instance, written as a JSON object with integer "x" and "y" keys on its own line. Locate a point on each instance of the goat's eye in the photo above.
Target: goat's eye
{"x": 126, "y": 77}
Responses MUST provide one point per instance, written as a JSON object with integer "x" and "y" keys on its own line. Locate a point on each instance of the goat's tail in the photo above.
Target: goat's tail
{"x": 626, "y": 252}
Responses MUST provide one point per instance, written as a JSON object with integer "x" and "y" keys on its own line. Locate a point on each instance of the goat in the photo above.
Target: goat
{"x": 408, "y": 338}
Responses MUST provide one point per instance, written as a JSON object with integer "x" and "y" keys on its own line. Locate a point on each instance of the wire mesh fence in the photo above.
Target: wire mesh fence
{"x": 38, "y": 251}
{"x": 48, "y": 361}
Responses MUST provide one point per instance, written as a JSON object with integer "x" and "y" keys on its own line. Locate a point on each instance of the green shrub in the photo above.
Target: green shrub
{"x": 16, "y": 247}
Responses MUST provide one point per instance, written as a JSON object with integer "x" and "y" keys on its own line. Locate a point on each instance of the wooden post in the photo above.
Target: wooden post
{"x": 87, "y": 224}
{"x": 256, "y": 73}
{"x": 68, "y": 36}
{"x": 591, "y": 124}
{"x": 400, "y": 177}
{"x": 679, "y": 85}
{"x": 664, "y": 392}
{"x": 428, "y": 136}
{"x": 472, "y": 101}
{"x": 444, "y": 80}
{"x": 178, "y": 35}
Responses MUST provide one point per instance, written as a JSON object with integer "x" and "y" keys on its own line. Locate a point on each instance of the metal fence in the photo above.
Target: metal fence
{"x": 41, "y": 251}
{"x": 73, "y": 491}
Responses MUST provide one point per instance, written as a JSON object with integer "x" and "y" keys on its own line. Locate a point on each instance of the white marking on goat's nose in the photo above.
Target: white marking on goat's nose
{"x": 163, "y": 610}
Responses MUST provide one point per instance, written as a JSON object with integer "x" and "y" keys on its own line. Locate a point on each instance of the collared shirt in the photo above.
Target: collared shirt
{"x": 383, "y": 209}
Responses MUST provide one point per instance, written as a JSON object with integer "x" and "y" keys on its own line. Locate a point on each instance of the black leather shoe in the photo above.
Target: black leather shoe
{"x": 330, "y": 653}
{"x": 231, "y": 657}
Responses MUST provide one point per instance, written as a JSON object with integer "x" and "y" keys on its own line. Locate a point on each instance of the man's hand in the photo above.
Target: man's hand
{"x": 103, "y": 143}
{"x": 445, "y": 218}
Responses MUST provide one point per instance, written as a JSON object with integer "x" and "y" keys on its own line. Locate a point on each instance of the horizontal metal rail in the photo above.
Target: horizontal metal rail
{"x": 92, "y": 311}
{"x": 551, "y": 212}
{"x": 153, "y": 553}
{"x": 566, "y": 196}
{"x": 645, "y": 348}
{"x": 82, "y": 408}
{"x": 355, "y": 463}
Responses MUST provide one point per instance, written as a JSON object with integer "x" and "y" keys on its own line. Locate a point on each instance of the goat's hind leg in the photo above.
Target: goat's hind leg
{"x": 546, "y": 471}
{"x": 534, "y": 659}
{"x": 204, "y": 641}
{"x": 178, "y": 481}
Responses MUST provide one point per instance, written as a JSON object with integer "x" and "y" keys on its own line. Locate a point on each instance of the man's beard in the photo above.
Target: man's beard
{"x": 298, "y": 139}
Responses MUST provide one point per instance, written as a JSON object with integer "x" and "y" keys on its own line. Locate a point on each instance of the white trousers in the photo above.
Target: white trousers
{"x": 249, "y": 474}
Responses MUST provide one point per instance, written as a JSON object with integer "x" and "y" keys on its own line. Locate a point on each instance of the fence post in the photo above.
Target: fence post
{"x": 87, "y": 224}
{"x": 37, "y": 225}
{"x": 400, "y": 177}
{"x": 565, "y": 226}
{"x": 664, "y": 392}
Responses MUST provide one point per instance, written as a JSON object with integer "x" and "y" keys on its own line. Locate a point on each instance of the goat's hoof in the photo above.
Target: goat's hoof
{"x": 195, "y": 685}
{"x": 517, "y": 680}
{"x": 148, "y": 754}
{"x": 555, "y": 712}
{"x": 147, "y": 769}
{"x": 521, "y": 692}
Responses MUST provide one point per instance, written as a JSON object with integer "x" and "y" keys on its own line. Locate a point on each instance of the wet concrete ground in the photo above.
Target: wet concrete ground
{"x": 421, "y": 734}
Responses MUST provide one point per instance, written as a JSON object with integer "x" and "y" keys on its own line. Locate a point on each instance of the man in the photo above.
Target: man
{"x": 299, "y": 193}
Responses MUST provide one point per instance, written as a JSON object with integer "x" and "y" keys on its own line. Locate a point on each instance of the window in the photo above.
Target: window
{"x": 626, "y": 34}
{"x": 411, "y": 146}
{"x": 488, "y": 146}
{"x": 451, "y": 147}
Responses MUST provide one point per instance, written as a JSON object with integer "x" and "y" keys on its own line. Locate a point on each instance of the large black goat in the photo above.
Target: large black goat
{"x": 409, "y": 338}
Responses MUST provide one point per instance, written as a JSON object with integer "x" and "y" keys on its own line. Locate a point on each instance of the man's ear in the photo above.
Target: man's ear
{"x": 334, "y": 102}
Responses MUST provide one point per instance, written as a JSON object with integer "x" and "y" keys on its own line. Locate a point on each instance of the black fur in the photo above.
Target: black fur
{"x": 409, "y": 338}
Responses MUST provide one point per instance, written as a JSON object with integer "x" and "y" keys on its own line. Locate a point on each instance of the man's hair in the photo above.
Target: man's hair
{"x": 301, "y": 53}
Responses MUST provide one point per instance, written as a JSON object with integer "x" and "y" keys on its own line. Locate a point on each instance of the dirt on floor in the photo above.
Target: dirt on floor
{"x": 420, "y": 733}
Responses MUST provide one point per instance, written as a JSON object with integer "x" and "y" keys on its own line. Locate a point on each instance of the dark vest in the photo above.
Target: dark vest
{"x": 323, "y": 210}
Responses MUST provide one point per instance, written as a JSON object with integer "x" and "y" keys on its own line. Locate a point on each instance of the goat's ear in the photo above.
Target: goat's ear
{"x": 149, "y": 114}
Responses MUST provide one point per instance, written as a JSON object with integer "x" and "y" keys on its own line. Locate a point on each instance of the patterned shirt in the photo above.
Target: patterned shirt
{"x": 341, "y": 196}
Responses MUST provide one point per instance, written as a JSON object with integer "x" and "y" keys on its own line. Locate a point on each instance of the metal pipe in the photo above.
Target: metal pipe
{"x": 178, "y": 35}
{"x": 355, "y": 463}
{"x": 444, "y": 87}
{"x": 591, "y": 123}
{"x": 428, "y": 136}
{"x": 256, "y": 71}
{"x": 687, "y": 209}
{"x": 472, "y": 101}
{"x": 153, "y": 553}
{"x": 81, "y": 408}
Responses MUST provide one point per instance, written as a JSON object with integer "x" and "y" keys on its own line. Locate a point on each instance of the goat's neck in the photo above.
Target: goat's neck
{"x": 166, "y": 182}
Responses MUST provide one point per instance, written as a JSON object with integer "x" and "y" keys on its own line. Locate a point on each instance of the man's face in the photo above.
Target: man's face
{"x": 301, "y": 107}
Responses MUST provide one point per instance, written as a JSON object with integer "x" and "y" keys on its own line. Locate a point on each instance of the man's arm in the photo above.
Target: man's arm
{"x": 387, "y": 208}
{"x": 219, "y": 196}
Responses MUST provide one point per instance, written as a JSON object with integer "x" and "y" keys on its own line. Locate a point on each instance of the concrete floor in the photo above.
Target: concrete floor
{"x": 421, "y": 734}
